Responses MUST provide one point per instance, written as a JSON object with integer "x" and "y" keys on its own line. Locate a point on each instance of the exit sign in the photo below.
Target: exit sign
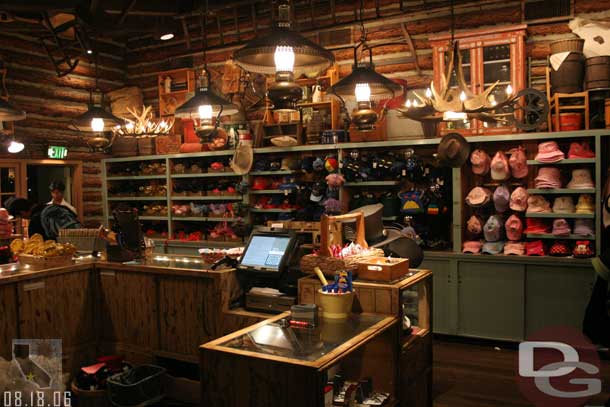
{"x": 57, "y": 152}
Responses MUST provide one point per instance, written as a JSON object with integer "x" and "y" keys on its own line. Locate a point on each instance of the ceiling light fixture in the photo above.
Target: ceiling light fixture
{"x": 96, "y": 121}
{"x": 206, "y": 107}
{"x": 167, "y": 36}
{"x": 15, "y": 147}
{"x": 364, "y": 84}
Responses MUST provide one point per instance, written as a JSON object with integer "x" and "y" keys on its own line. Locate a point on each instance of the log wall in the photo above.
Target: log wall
{"x": 52, "y": 102}
{"x": 146, "y": 58}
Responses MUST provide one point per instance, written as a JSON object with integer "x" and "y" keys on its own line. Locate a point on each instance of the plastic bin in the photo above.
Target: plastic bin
{"x": 140, "y": 386}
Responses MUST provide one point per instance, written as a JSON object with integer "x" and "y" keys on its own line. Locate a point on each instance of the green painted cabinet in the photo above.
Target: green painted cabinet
{"x": 556, "y": 295}
{"x": 444, "y": 302}
{"x": 491, "y": 300}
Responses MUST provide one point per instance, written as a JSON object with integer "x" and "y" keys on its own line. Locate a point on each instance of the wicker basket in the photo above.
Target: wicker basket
{"x": 567, "y": 45}
{"x": 331, "y": 233}
{"x": 40, "y": 262}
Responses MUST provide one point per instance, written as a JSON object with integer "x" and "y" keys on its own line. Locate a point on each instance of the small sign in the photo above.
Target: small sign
{"x": 57, "y": 152}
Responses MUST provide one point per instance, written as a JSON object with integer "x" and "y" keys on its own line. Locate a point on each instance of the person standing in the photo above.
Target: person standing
{"x": 58, "y": 188}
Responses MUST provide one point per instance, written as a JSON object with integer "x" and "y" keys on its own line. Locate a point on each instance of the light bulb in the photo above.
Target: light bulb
{"x": 408, "y": 104}
{"x": 166, "y": 36}
{"x": 428, "y": 93}
{"x": 284, "y": 59}
{"x": 15, "y": 147}
{"x": 363, "y": 92}
{"x": 463, "y": 96}
{"x": 205, "y": 112}
{"x": 509, "y": 90}
{"x": 97, "y": 124}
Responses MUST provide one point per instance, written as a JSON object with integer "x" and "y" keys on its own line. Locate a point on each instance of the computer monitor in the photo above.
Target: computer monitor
{"x": 267, "y": 252}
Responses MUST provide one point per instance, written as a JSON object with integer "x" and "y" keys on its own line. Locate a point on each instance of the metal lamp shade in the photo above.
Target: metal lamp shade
{"x": 83, "y": 122}
{"x": 10, "y": 113}
{"x": 381, "y": 87}
{"x": 259, "y": 54}
{"x": 190, "y": 108}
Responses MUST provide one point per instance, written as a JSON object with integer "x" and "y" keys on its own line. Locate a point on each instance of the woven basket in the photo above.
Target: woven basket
{"x": 568, "y": 45}
{"x": 40, "y": 262}
{"x": 331, "y": 233}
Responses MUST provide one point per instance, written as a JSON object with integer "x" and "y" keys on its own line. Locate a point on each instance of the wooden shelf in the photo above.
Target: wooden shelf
{"x": 165, "y": 218}
{"x": 282, "y": 124}
{"x": 278, "y": 172}
{"x": 561, "y": 215}
{"x": 270, "y": 191}
{"x": 207, "y": 198}
{"x": 206, "y": 175}
{"x": 135, "y": 177}
{"x": 566, "y": 161}
{"x": 138, "y": 198}
{"x": 555, "y": 237}
{"x": 274, "y": 210}
{"x": 559, "y": 191}
{"x": 201, "y": 219}
{"x": 371, "y": 183}
{"x": 315, "y": 104}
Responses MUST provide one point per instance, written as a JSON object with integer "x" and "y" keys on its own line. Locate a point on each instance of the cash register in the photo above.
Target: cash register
{"x": 264, "y": 271}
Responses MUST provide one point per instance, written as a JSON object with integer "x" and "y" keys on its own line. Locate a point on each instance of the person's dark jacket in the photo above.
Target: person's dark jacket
{"x": 35, "y": 225}
{"x": 53, "y": 218}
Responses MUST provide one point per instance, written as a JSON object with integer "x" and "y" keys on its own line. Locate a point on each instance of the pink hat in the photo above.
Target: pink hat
{"x": 514, "y": 228}
{"x": 549, "y": 152}
{"x": 537, "y": 204}
{"x": 499, "y": 167}
{"x": 561, "y": 227}
{"x": 517, "y": 248}
{"x": 580, "y": 150}
{"x": 518, "y": 199}
{"x": 584, "y": 227}
{"x": 563, "y": 204}
{"x": 581, "y": 179}
{"x": 548, "y": 177}
{"x": 474, "y": 225}
{"x": 501, "y": 198}
{"x": 480, "y": 162}
{"x": 478, "y": 196}
{"x": 518, "y": 162}
{"x": 473, "y": 246}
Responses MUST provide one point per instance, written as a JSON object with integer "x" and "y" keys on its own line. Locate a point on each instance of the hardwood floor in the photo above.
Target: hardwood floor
{"x": 467, "y": 375}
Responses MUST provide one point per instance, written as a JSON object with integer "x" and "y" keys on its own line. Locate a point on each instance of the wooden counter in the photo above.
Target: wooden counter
{"x": 141, "y": 311}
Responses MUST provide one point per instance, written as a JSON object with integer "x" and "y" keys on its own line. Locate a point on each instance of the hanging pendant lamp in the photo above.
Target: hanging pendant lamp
{"x": 261, "y": 54}
{"x": 206, "y": 106}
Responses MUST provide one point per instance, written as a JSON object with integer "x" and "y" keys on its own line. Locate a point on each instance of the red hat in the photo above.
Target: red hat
{"x": 581, "y": 150}
{"x": 535, "y": 248}
{"x": 260, "y": 183}
{"x": 518, "y": 162}
{"x": 331, "y": 164}
{"x": 583, "y": 249}
{"x": 536, "y": 225}
{"x": 559, "y": 249}
{"x": 500, "y": 170}
{"x": 514, "y": 228}
{"x": 480, "y": 162}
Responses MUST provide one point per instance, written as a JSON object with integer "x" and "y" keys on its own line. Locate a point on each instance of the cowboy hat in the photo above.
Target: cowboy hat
{"x": 242, "y": 158}
{"x": 453, "y": 150}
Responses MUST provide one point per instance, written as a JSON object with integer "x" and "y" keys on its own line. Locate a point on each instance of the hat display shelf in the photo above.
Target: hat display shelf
{"x": 584, "y": 165}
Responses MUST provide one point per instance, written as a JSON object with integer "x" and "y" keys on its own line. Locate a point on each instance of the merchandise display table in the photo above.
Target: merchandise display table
{"x": 272, "y": 364}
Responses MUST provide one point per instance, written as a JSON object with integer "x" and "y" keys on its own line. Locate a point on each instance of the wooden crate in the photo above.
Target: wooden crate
{"x": 383, "y": 269}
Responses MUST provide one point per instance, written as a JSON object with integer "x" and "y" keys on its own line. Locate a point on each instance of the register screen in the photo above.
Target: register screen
{"x": 265, "y": 252}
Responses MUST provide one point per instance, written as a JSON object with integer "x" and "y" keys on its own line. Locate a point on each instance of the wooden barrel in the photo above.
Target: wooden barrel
{"x": 570, "y": 121}
{"x": 597, "y": 72}
{"x": 569, "y": 77}
{"x": 607, "y": 113}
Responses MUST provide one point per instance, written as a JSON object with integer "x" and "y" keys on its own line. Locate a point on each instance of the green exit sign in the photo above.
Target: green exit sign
{"x": 57, "y": 152}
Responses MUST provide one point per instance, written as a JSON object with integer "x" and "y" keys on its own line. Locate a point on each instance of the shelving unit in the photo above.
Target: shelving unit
{"x": 207, "y": 198}
{"x": 561, "y": 215}
{"x": 556, "y": 237}
{"x": 566, "y": 161}
{"x": 560, "y": 191}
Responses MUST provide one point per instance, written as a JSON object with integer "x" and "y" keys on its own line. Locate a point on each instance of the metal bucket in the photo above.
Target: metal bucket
{"x": 597, "y": 72}
{"x": 569, "y": 77}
